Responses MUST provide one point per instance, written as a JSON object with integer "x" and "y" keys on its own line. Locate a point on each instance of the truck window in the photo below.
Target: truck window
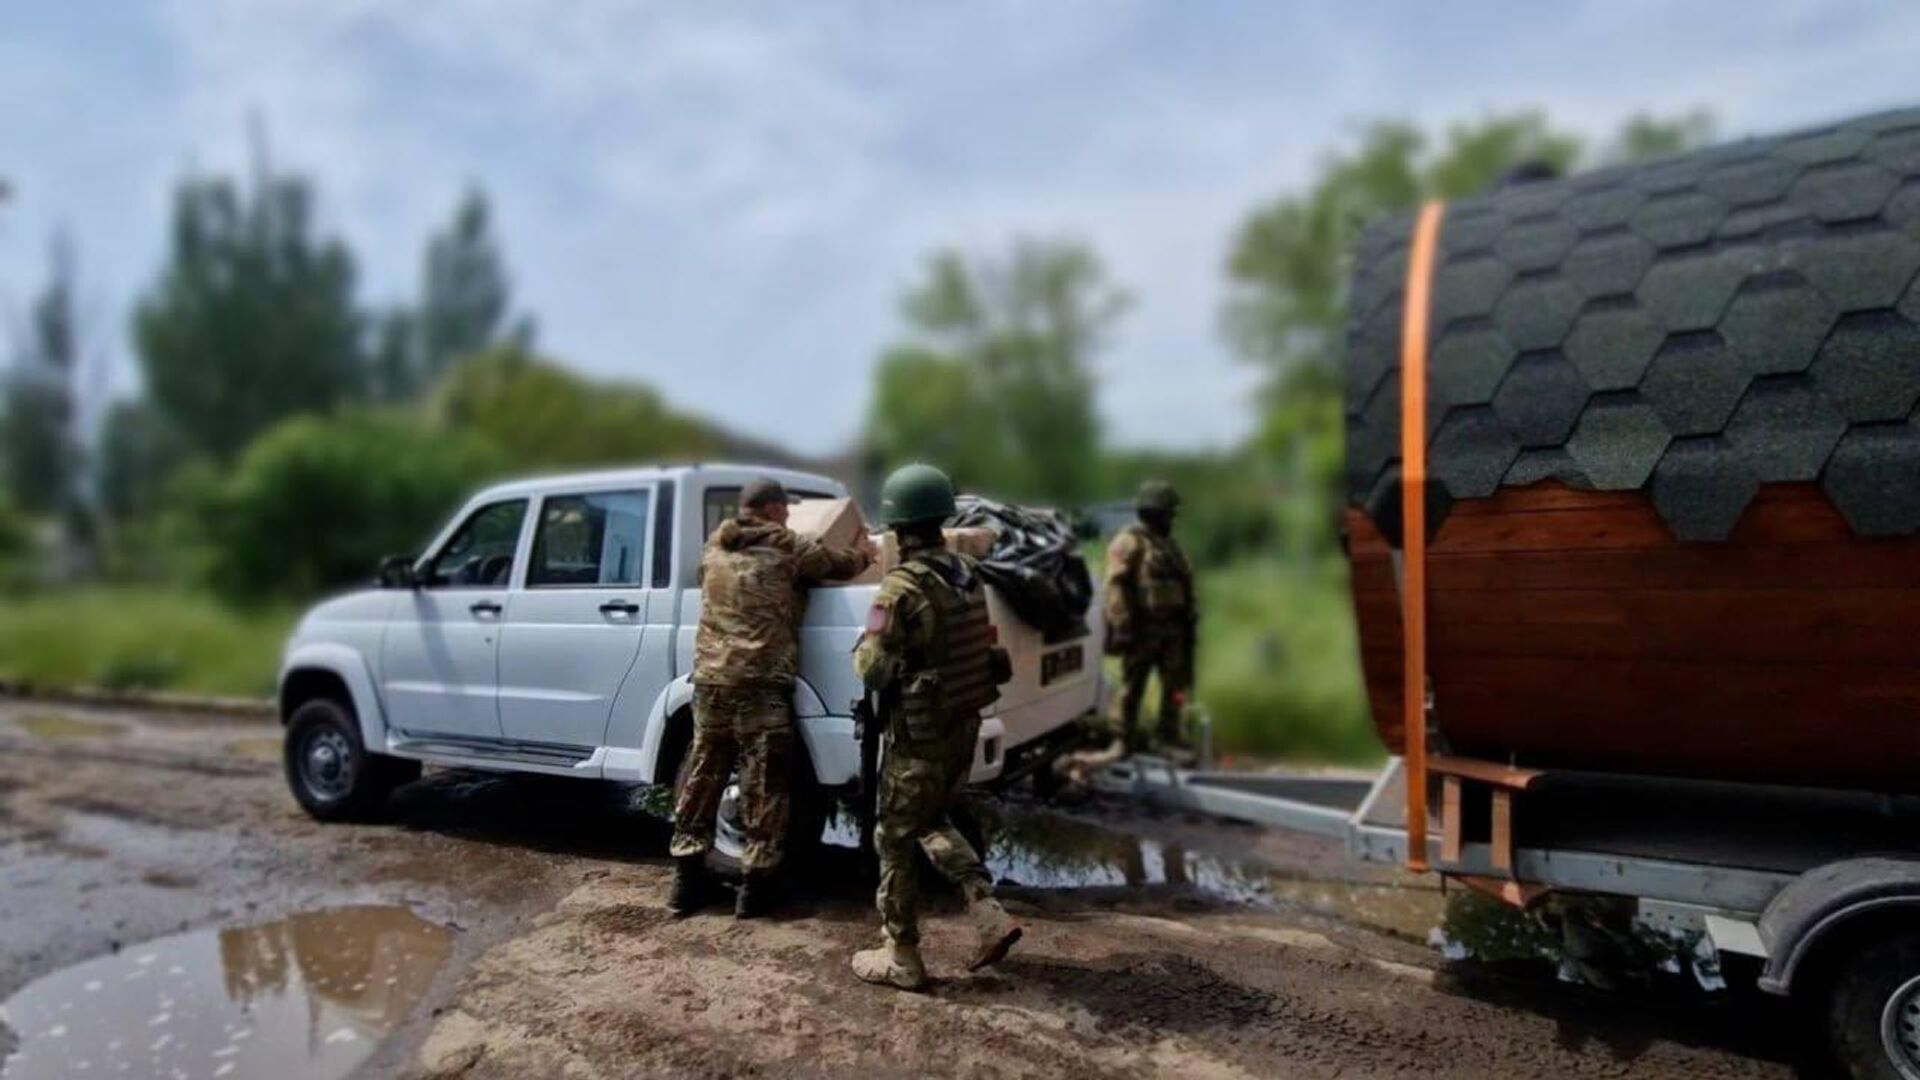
{"x": 480, "y": 553}
{"x": 596, "y": 539}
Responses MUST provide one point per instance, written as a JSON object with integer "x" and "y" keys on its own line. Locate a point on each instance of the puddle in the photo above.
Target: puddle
{"x": 64, "y": 726}
{"x": 310, "y": 995}
{"x": 1051, "y": 851}
{"x": 1409, "y": 912}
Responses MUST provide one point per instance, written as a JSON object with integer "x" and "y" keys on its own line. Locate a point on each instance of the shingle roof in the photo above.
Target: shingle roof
{"x": 1698, "y": 326}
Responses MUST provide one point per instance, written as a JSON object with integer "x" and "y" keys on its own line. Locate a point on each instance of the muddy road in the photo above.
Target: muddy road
{"x": 165, "y": 910}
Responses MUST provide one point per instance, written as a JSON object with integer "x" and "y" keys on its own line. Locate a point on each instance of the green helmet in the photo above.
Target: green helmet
{"x": 916, "y": 493}
{"x": 1157, "y": 495}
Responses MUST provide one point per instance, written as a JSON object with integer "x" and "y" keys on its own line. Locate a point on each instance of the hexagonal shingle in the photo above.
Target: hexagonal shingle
{"x": 1608, "y": 265}
{"x": 1373, "y": 440}
{"x": 1899, "y": 151}
{"x": 1701, "y": 487}
{"x": 1768, "y": 221}
{"x": 1612, "y": 346}
{"x": 1471, "y": 452}
{"x": 1784, "y": 430}
{"x": 1541, "y": 398}
{"x": 1822, "y": 146}
{"x": 1903, "y": 209}
{"x": 1873, "y": 479}
{"x": 1545, "y": 463}
{"x": 1383, "y": 505}
{"x": 1845, "y": 190}
{"x": 1537, "y": 245}
{"x": 1870, "y": 366}
{"x": 1469, "y": 286}
{"x": 1777, "y": 322}
{"x": 1694, "y": 383}
{"x": 1691, "y": 292}
{"x": 1467, "y": 233}
{"x": 1617, "y": 441}
{"x": 1536, "y": 313}
{"x": 1602, "y": 208}
{"x": 1755, "y": 180}
{"x": 1678, "y": 219}
{"x": 1467, "y": 365}
{"x": 1858, "y": 271}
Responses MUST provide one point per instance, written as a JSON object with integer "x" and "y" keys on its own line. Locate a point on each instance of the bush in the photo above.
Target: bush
{"x": 140, "y": 639}
{"x": 314, "y": 503}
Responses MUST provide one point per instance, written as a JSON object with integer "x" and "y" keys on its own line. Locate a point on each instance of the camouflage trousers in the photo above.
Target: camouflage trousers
{"x": 1172, "y": 657}
{"x": 751, "y": 728}
{"x": 913, "y": 813}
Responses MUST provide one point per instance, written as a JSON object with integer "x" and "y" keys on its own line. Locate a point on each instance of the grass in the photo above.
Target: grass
{"x": 140, "y": 639}
{"x": 1279, "y": 665}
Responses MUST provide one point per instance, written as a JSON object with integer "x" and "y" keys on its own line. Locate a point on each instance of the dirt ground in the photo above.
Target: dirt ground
{"x": 1155, "y": 946}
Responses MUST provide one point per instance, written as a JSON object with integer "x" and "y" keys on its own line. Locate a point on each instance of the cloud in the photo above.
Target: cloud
{"x": 727, "y": 199}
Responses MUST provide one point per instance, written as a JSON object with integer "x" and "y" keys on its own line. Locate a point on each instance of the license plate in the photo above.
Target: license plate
{"x": 1060, "y": 663}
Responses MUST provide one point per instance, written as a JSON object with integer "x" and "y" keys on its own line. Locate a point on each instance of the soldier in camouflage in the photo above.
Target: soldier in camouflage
{"x": 928, "y": 653}
{"x": 746, "y": 655}
{"x": 1150, "y": 614}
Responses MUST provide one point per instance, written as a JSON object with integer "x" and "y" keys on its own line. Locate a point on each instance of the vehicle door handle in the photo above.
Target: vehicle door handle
{"x": 620, "y": 607}
{"x": 484, "y": 607}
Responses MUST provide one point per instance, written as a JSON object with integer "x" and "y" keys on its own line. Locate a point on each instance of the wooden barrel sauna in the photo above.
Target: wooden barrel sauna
{"x": 1673, "y": 464}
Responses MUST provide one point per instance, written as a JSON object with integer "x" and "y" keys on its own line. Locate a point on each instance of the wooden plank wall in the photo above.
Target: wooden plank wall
{"x": 1569, "y": 628}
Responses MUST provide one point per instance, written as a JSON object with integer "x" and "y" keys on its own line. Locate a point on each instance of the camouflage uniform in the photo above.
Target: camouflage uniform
{"x": 746, "y": 656}
{"x": 927, "y": 650}
{"x": 1150, "y": 614}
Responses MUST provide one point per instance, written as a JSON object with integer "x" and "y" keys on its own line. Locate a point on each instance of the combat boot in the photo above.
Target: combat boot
{"x": 693, "y": 886}
{"x": 997, "y": 931}
{"x": 761, "y": 893}
{"x": 892, "y": 964}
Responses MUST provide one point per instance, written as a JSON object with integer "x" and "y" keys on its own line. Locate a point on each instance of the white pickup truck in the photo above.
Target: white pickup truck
{"x": 549, "y": 629}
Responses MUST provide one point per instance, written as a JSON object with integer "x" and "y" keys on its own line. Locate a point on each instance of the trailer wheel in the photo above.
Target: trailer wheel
{"x": 1873, "y": 1009}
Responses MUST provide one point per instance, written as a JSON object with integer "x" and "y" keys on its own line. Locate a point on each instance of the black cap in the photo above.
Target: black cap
{"x": 763, "y": 491}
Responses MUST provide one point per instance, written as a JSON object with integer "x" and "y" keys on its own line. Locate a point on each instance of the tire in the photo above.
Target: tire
{"x": 329, "y": 770}
{"x": 1873, "y": 1010}
{"x": 806, "y": 818}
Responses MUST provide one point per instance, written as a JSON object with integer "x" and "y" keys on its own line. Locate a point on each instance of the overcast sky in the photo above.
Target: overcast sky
{"x": 726, "y": 199}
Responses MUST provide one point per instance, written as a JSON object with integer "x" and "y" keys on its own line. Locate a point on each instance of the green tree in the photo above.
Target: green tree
{"x": 1287, "y": 272}
{"x": 139, "y": 449}
{"x": 39, "y": 440}
{"x": 252, "y": 318}
{"x": 544, "y": 415}
{"x": 315, "y": 502}
{"x": 996, "y": 381}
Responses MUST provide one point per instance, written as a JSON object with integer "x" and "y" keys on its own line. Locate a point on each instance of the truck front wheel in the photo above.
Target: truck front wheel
{"x": 1873, "y": 1009}
{"x": 332, "y": 775}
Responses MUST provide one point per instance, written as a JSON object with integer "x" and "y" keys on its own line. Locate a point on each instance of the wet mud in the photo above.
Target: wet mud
{"x": 523, "y": 924}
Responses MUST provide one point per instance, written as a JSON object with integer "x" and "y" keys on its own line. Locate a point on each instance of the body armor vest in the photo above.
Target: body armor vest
{"x": 948, "y": 678}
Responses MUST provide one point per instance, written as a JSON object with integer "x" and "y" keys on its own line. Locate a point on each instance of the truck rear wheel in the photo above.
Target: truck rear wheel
{"x": 330, "y": 771}
{"x": 1873, "y": 1010}
{"x": 806, "y": 819}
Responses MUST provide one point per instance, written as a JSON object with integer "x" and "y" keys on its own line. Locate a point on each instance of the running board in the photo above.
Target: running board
{"x": 424, "y": 745}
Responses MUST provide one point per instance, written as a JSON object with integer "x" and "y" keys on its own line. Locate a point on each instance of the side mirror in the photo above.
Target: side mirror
{"x": 396, "y": 572}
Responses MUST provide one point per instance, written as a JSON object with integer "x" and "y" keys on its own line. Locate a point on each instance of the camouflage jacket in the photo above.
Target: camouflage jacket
{"x": 751, "y": 574}
{"x": 1149, "y": 586}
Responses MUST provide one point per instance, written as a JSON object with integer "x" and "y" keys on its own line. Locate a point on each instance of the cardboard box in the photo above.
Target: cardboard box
{"x": 834, "y": 522}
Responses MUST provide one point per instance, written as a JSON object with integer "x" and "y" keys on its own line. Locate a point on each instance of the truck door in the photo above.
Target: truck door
{"x": 577, "y": 626}
{"x": 438, "y": 660}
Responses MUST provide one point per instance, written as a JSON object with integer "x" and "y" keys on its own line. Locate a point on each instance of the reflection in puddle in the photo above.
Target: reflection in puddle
{"x": 1052, "y": 851}
{"x": 308, "y": 996}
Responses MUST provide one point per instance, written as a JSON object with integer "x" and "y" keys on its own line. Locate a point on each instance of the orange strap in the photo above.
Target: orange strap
{"x": 1413, "y": 520}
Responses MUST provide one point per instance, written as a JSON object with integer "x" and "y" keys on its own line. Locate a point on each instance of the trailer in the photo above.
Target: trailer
{"x": 1817, "y": 890}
